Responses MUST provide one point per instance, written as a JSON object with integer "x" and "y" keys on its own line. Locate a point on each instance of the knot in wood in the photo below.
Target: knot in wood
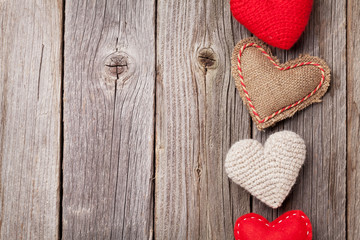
{"x": 116, "y": 64}
{"x": 207, "y": 58}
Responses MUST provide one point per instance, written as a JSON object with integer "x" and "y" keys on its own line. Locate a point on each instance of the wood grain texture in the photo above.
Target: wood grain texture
{"x": 109, "y": 86}
{"x": 30, "y": 100}
{"x": 321, "y": 187}
{"x": 198, "y": 116}
{"x": 353, "y": 119}
{"x": 130, "y": 63}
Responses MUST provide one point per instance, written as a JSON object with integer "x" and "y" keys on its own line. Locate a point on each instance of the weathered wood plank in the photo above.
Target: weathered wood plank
{"x": 199, "y": 115}
{"x": 353, "y": 119}
{"x": 30, "y": 110}
{"x": 321, "y": 187}
{"x": 109, "y": 119}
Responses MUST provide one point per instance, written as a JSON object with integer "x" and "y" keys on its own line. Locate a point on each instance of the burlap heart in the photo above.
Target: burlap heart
{"x": 268, "y": 172}
{"x": 274, "y": 91}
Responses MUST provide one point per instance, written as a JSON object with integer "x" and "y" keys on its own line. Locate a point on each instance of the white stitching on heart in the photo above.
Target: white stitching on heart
{"x": 307, "y": 233}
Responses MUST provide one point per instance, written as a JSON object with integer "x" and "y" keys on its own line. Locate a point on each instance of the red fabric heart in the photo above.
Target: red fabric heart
{"x": 279, "y": 23}
{"x": 292, "y": 225}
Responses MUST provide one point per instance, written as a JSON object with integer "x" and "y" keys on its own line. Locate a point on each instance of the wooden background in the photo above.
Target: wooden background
{"x": 116, "y": 117}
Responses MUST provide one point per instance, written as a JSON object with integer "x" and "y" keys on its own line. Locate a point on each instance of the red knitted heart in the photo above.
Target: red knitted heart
{"x": 279, "y": 23}
{"x": 292, "y": 225}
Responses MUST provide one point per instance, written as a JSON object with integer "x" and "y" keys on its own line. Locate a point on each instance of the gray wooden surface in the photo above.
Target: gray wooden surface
{"x": 30, "y": 107}
{"x": 353, "y": 119}
{"x": 198, "y": 116}
{"x": 109, "y": 80}
{"x": 116, "y": 117}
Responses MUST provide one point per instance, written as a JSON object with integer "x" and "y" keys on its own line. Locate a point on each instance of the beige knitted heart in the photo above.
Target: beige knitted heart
{"x": 274, "y": 91}
{"x": 268, "y": 172}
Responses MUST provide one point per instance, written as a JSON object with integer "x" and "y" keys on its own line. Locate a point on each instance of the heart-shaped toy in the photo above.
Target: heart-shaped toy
{"x": 268, "y": 172}
{"x": 292, "y": 225}
{"x": 279, "y": 23}
{"x": 274, "y": 91}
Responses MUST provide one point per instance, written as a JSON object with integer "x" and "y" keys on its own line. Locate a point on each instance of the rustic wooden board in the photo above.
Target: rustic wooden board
{"x": 109, "y": 87}
{"x": 130, "y": 63}
{"x": 30, "y": 110}
{"x": 353, "y": 119}
{"x": 199, "y": 115}
{"x": 321, "y": 187}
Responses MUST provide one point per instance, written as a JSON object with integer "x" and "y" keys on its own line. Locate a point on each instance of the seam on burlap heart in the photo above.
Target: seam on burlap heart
{"x": 267, "y": 172}
{"x": 283, "y": 112}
